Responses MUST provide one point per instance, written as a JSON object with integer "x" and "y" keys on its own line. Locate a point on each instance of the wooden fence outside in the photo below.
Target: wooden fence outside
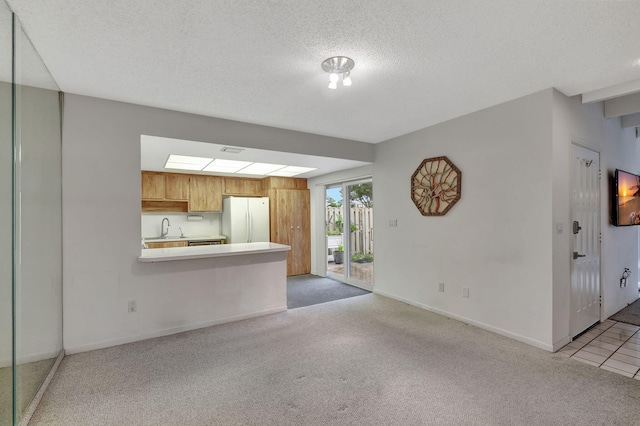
{"x": 362, "y": 224}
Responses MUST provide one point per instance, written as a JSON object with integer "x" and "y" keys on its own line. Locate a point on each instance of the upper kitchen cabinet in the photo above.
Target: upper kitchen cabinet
{"x": 164, "y": 192}
{"x": 176, "y": 186}
{"x": 275, "y": 182}
{"x": 243, "y": 187}
{"x": 152, "y": 186}
{"x": 205, "y": 193}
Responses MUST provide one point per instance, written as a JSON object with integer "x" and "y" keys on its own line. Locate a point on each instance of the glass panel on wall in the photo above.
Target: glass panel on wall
{"x": 6, "y": 207}
{"x": 37, "y": 290}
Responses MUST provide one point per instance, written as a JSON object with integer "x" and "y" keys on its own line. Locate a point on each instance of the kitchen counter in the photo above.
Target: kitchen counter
{"x": 186, "y": 238}
{"x": 199, "y": 252}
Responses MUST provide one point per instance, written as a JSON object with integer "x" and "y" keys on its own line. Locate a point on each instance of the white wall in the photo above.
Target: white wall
{"x": 101, "y": 185}
{"x": 496, "y": 240}
{"x": 210, "y": 225}
{"x": 586, "y": 125}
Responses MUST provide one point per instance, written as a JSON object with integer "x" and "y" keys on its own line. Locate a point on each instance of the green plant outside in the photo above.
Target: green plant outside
{"x": 362, "y": 257}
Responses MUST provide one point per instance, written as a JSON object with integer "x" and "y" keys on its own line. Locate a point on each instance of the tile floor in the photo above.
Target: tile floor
{"x": 611, "y": 345}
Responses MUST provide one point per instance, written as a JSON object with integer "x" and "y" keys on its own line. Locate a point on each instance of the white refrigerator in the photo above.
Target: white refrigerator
{"x": 245, "y": 219}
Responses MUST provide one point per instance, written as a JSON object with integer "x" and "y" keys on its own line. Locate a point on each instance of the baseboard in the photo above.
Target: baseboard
{"x": 500, "y": 331}
{"x": 25, "y": 359}
{"x": 168, "y": 331}
{"x": 561, "y": 343}
{"x": 36, "y": 399}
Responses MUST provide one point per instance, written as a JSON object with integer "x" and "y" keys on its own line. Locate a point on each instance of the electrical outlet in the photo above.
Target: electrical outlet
{"x": 441, "y": 287}
{"x": 393, "y": 223}
{"x": 465, "y": 292}
{"x": 132, "y": 306}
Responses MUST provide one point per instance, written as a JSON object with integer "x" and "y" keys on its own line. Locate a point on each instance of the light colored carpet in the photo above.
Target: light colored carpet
{"x": 30, "y": 377}
{"x": 365, "y": 360}
{"x": 307, "y": 290}
{"x": 629, "y": 315}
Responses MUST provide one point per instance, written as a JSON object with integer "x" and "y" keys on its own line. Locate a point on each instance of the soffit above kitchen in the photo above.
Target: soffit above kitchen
{"x": 154, "y": 152}
{"x": 417, "y": 63}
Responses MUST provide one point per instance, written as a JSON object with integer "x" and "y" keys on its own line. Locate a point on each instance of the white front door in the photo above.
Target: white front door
{"x": 585, "y": 247}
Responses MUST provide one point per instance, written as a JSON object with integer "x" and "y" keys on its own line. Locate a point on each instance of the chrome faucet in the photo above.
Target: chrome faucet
{"x": 162, "y": 233}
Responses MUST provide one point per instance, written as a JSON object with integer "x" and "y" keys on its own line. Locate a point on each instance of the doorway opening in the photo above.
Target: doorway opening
{"x": 349, "y": 232}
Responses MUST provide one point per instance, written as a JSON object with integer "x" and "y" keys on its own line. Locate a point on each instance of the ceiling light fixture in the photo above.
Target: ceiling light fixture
{"x": 338, "y": 65}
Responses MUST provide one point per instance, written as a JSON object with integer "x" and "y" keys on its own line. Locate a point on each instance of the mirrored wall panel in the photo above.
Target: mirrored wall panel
{"x": 31, "y": 292}
{"x": 6, "y": 230}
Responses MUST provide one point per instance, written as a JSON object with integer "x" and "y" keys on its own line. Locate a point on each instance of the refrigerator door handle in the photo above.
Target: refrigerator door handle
{"x": 248, "y": 225}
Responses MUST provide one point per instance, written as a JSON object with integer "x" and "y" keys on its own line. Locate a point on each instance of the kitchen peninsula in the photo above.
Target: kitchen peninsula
{"x": 219, "y": 250}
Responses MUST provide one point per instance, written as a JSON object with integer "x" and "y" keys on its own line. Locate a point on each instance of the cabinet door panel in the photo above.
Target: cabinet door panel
{"x": 205, "y": 194}
{"x": 152, "y": 186}
{"x": 176, "y": 187}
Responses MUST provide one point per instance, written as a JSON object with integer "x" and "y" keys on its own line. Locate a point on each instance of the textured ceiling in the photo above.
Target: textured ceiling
{"x": 417, "y": 62}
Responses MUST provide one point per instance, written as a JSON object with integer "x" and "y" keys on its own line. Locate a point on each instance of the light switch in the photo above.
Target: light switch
{"x": 393, "y": 223}
{"x": 559, "y": 227}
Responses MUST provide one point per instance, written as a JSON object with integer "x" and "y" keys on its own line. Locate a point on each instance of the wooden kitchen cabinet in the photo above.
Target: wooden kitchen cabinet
{"x": 291, "y": 225}
{"x": 205, "y": 193}
{"x": 152, "y": 186}
{"x": 243, "y": 187}
{"x": 176, "y": 186}
{"x": 166, "y": 244}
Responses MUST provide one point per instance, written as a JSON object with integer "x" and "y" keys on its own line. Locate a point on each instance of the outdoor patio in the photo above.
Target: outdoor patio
{"x": 359, "y": 271}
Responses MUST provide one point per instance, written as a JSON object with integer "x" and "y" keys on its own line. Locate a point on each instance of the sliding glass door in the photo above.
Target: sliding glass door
{"x": 350, "y": 235}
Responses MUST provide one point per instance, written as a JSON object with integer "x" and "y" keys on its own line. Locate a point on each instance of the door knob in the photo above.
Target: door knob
{"x": 577, "y": 255}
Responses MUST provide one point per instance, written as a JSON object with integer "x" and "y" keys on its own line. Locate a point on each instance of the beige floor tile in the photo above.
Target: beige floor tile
{"x": 590, "y": 356}
{"x": 604, "y": 345}
{"x": 626, "y": 358}
{"x": 615, "y": 370}
{"x": 602, "y": 326}
{"x": 624, "y": 326}
{"x": 611, "y": 340}
{"x": 586, "y": 361}
{"x": 576, "y": 345}
{"x": 583, "y": 339}
{"x": 610, "y": 322}
{"x": 567, "y": 351}
{"x": 617, "y": 334}
{"x": 630, "y": 352}
{"x": 598, "y": 351}
{"x": 632, "y": 345}
{"x": 614, "y": 363}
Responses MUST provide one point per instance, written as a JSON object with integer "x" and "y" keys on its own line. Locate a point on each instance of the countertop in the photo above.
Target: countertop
{"x": 219, "y": 250}
{"x": 185, "y": 238}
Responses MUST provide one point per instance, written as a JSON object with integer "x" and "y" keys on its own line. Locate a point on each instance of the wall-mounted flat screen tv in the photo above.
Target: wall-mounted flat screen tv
{"x": 627, "y": 202}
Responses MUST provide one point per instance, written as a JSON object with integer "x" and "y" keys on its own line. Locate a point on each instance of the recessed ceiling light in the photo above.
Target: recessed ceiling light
{"x": 291, "y": 171}
{"x": 261, "y": 168}
{"x": 185, "y": 162}
{"x": 226, "y": 166}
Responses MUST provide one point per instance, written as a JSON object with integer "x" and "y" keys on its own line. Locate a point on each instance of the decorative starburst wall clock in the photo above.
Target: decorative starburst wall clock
{"x": 436, "y": 186}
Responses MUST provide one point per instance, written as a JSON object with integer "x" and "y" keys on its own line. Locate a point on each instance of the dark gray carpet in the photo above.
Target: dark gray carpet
{"x": 307, "y": 290}
{"x": 629, "y": 315}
